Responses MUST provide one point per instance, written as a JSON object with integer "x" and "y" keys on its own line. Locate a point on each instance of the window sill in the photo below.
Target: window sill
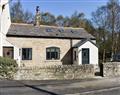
{"x": 26, "y": 60}
{"x": 52, "y": 60}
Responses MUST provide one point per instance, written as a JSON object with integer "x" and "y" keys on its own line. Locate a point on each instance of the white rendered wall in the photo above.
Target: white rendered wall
{"x": 5, "y": 19}
{"x": 0, "y": 29}
{"x": 7, "y": 43}
{"x": 5, "y": 22}
{"x": 93, "y": 53}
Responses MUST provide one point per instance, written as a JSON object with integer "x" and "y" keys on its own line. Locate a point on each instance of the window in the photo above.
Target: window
{"x": 26, "y": 53}
{"x": 75, "y": 57}
{"x": 53, "y": 53}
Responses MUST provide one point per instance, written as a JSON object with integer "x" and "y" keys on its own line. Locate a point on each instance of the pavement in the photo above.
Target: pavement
{"x": 94, "y": 86}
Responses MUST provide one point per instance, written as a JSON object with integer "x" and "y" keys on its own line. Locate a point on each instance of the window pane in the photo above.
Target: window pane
{"x": 48, "y": 55}
{"x": 52, "y": 53}
{"x": 26, "y": 54}
{"x": 57, "y": 50}
{"x": 52, "y": 49}
{"x": 30, "y": 53}
{"x": 23, "y": 54}
{"x": 75, "y": 56}
{"x": 48, "y": 50}
{"x": 56, "y": 55}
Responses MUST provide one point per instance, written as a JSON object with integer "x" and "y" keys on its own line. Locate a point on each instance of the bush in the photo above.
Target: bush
{"x": 7, "y": 67}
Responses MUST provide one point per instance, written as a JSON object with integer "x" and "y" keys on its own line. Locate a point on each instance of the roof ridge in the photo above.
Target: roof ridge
{"x": 20, "y": 24}
{"x": 60, "y": 27}
{"x": 49, "y": 26}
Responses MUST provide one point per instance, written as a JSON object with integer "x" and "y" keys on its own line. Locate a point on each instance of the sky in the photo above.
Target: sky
{"x": 63, "y": 7}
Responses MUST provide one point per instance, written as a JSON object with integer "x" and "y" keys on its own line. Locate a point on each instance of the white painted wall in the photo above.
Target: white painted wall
{"x": 5, "y": 22}
{"x": 5, "y": 17}
{"x": 7, "y": 43}
{"x": 93, "y": 53}
{"x": 0, "y": 29}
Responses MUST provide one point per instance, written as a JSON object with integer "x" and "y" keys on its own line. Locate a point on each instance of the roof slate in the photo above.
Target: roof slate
{"x": 28, "y": 30}
{"x": 82, "y": 42}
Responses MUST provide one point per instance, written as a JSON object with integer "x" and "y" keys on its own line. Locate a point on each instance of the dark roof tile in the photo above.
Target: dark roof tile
{"x": 29, "y": 30}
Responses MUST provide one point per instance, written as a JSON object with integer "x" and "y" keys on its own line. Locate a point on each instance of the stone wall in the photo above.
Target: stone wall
{"x": 60, "y": 72}
{"x": 111, "y": 69}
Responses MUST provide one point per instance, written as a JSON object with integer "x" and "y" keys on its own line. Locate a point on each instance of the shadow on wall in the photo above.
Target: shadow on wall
{"x": 100, "y": 71}
{"x": 67, "y": 59}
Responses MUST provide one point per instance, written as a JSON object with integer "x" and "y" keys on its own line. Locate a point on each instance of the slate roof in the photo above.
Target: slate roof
{"x": 82, "y": 42}
{"x": 29, "y": 30}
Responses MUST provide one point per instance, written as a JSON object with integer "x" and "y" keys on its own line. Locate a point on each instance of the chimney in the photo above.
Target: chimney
{"x": 37, "y": 16}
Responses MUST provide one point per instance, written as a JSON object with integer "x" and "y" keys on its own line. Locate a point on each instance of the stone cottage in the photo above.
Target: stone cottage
{"x": 39, "y": 45}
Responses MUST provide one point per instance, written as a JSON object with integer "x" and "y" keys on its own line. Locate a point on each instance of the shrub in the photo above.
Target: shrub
{"x": 7, "y": 67}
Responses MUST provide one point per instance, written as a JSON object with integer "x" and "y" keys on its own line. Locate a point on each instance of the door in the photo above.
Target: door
{"x": 8, "y": 52}
{"x": 85, "y": 56}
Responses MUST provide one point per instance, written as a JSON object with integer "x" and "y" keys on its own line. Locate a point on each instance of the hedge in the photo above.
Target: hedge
{"x": 7, "y": 68}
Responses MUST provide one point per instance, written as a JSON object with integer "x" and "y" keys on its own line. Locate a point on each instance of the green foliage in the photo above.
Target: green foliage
{"x": 7, "y": 67}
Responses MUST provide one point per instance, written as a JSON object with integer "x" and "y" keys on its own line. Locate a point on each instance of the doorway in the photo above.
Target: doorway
{"x": 8, "y": 52}
{"x": 85, "y": 56}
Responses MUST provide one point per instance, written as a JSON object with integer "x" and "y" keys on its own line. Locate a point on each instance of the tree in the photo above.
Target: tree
{"x": 60, "y": 20}
{"x": 28, "y": 17}
{"x": 66, "y": 21}
{"x": 88, "y": 26}
{"x": 114, "y": 21}
{"x": 17, "y": 12}
{"x": 47, "y": 19}
{"x": 76, "y": 19}
{"x": 100, "y": 19}
{"x": 106, "y": 20}
{"x": 18, "y": 15}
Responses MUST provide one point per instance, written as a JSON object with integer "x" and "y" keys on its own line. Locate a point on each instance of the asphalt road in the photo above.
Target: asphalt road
{"x": 66, "y": 87}
{"x": 107, "y": 91}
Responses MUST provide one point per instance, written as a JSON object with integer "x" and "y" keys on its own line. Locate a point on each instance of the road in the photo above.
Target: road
{"x": 103, "y": 86}
{"x": 107, "y": 91}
